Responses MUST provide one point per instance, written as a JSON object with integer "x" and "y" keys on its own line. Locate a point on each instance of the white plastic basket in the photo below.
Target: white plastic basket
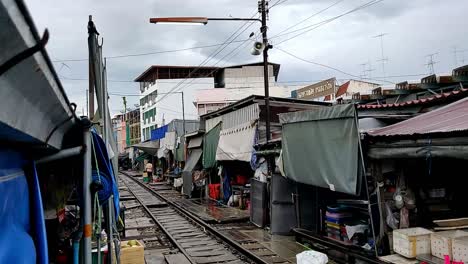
{"x": 411, "y": 242}
{"x": 441, "y": 242}
{"x": 460, "y": 249}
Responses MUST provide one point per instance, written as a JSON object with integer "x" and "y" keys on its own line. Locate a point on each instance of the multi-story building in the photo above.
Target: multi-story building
{"x": 238, "y": 82}
{"x": 212, "y": 88}
{"x": 133, "y": 127}
{"x": 118, "y": 129}
{"x": 159, "y": 80}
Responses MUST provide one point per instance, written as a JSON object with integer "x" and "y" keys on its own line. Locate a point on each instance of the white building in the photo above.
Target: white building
{"x": 238, "y": 82}
{"x": 211, "y": 88}
{"x": 157, "y": 81}
{"x": 353, "y": 87}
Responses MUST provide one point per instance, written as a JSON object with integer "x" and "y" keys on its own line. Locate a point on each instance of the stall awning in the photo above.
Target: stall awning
{"x": 180, "y": 150}
{"x": 34, "y": 108}
{"x": 210, "y": 145}
{"x": 192, "y": 160}
{"x": 447, "y": 119}
{"x": 195, "y": 142}
{"x": 142, "y": 157}
{"x": 159, "y": 132}
{"x": 150, "y": 147}
{"x": 236, "y": 143}
{"x": 321, "y": 148}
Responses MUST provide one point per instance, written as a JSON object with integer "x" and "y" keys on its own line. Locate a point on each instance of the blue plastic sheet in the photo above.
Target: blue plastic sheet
{"x": 106, "y": 172}
{"x": 159, "y": 133}
{"x": 16, "y": 242}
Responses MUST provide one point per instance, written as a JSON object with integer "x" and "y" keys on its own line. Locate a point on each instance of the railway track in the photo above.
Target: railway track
{"x": 187, "y": 234}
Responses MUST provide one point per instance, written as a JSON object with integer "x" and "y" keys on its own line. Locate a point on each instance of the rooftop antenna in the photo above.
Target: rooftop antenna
{"x": 369, "y": 70}
{"x": 383, "y": 60}
{"x": 431, "y": 62}
{"x": 363, "y": 75}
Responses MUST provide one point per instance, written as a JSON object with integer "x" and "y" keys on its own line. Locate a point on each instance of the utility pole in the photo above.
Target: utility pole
{"x": 183, "y": 113}
{"x": 263, "y": 10}
{"x": 125, "y": 107}
{"x": 431, "y": 62}
{"x": 383, "y": 60}
{"x": 87, "y": 103}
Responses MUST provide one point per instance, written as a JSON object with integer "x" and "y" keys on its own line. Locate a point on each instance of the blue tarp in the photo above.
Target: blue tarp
{"x": 159, "y": 132}
{"x": 106, "y": 173}
{"x": 23, "y": 237}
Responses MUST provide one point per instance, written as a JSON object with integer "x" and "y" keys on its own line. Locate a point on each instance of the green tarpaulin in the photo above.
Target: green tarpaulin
{"x": 210, "y": 144}
{"x": 127, "y": 134}
{"x": 142, "y": 157}
{"x": 321, "y": 148}
{"x": 179, "y": 152}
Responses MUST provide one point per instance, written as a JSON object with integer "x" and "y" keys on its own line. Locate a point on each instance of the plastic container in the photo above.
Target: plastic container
{"x": 132, "y": 254}
{"x": 460, "y": 249}
{"x": 441, "y": 242}
{"x": 411, "y": 242}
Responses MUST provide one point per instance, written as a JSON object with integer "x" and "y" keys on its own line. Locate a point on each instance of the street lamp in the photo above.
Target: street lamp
{"x": 204, "y": 20}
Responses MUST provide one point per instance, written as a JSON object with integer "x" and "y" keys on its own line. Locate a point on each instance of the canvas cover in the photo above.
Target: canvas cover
{"x": 236, "y": 143}
{"x": 321, "y": 148}
{"x": 210, "y": 145}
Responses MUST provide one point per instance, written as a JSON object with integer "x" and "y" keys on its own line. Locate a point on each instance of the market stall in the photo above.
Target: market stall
{"x": 322, "y": 156}
{"x": 419, "y": 164}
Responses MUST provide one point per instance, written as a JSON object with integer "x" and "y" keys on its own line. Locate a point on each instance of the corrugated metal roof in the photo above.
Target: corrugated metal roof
{"x": 439, "y": 97}
{"x": 343, "y": 88}
{"x": 450, "y": 118}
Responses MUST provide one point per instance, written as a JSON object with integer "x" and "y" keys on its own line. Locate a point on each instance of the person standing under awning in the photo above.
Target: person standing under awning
{"x": 149, "y": 170}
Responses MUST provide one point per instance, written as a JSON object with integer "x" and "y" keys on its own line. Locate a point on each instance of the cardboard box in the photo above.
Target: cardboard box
{"x": 411, "y": 242}
{"x": 441, "y": 242}
{"x": 460, "y": 249}
{"x": 132, "y": 254}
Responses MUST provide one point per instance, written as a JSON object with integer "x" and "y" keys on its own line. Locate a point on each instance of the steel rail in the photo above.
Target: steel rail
{"x": 166, "y": 232}
{"x": 206, "y": 226}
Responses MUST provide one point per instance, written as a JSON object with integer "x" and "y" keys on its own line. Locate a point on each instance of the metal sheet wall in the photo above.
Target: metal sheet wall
{"x": 235, "y": 118}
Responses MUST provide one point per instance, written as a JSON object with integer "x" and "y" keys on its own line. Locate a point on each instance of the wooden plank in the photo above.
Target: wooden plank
{"x": 210, "y": 253}
{"x": 184, "y": 231}
{"x": 185, "y": 240}
{"x": 195, "y": 246}
{"x": 215, "y": 259}
{"x": 176, "y": 259}
{"x": 253, "y": 246}
{"x": 189, "y": 235}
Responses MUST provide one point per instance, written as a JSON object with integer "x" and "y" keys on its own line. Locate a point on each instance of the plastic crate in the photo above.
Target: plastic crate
{"x": 411, "y": 242}
{"x": 460, "y": 249}
{"x": 441, "y": 242}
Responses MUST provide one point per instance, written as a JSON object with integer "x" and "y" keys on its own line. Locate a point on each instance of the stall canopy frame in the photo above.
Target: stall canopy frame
{"x": 324, "y": 142}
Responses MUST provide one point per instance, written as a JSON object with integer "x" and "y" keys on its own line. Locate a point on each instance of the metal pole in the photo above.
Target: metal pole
{"x": 109, "y": 224}
{"x": 183, "y": 113}
{"x": 63, "y": 154}
{"x": 265, "y": 69}
{"x": 87, "y": 218}
{"x": 91, "y": 73}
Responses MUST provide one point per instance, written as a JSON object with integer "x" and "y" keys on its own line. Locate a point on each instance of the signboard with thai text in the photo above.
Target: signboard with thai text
{"x": 316, "y": 90}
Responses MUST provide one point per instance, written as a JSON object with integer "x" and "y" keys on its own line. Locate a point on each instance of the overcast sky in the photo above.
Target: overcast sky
{"x": 414, "y": 29}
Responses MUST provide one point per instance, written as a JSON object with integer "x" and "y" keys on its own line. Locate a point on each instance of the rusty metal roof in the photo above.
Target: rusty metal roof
{"x": 436, "y": 98}
{"x": 450, "y": 118}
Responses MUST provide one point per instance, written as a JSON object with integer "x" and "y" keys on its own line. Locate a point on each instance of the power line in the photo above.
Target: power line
{"x": 212, "y": 56}
{"x": 278, "y": 82}
{"x": 148, "y": 53}
{"x": 279, "y": 2}
{"x": 313, "y": 15}
{"x": 327, "y": 66}
{"x": 324, "y": 22}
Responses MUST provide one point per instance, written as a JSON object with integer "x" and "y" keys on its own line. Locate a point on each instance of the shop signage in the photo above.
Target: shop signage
{"x": 320, "y": 89}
